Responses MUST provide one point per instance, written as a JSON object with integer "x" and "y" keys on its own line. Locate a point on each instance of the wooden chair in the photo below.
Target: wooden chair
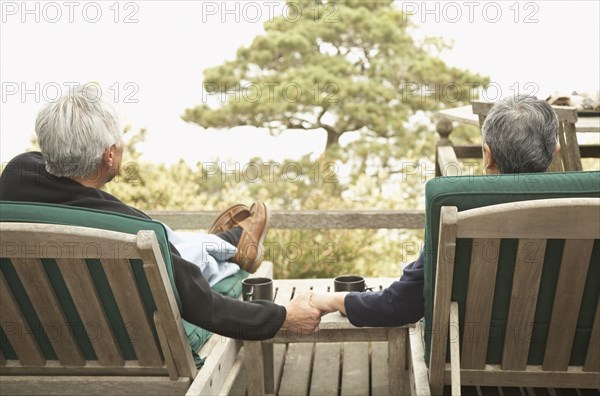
{"x": 569, "y": 157}
{"x": 558, "y": 244}
{"x": 92, "y": 311}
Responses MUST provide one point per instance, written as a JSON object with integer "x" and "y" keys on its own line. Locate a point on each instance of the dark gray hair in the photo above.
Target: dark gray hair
{"x": 522, "y": 133}
{"x": 74, "y": 131}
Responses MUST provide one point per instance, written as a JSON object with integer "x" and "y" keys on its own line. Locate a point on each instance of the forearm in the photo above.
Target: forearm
{"x": 329, "y": 302}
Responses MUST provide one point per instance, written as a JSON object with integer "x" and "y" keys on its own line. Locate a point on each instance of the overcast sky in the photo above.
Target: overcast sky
{"x": 149, "y": 56}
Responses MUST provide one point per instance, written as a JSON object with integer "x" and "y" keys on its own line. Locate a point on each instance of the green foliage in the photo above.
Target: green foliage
{"x": 343, "y": 66}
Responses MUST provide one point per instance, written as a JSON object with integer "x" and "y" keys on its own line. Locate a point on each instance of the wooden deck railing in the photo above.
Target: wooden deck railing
{"x": 306, "y": 220}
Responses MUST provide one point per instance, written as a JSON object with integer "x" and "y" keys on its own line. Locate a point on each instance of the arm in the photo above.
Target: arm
{"x": 399, "y": 304}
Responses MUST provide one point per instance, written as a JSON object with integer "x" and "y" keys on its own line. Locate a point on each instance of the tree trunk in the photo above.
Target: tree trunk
{"x": 333, "y": 138}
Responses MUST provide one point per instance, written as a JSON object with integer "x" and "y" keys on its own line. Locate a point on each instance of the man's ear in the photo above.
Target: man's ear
{"x": 489, "y": 164}
{"x": 557, "y": 149}
{"x": 108, "y": 156}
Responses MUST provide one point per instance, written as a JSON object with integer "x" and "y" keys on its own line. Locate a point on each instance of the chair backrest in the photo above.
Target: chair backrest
{"x": 548, "y": 291}
{"x": 569, "y": 157}
{"x": 87, "y": 301}
{"x": 469, "y": 192}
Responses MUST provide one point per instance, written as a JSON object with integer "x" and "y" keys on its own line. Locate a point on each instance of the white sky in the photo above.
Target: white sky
{"x": 158, "y": 61}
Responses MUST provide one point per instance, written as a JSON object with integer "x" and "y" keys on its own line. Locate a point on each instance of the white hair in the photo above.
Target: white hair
{"x": 75, "y": 131}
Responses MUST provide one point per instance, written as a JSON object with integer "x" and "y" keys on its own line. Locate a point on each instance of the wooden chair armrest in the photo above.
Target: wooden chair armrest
{"x": 419, "y": 382}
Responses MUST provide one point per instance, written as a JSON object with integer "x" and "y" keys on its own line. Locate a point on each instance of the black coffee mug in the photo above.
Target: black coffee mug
{"x": 257, "y": 289}
{"x": 349, "y": 283}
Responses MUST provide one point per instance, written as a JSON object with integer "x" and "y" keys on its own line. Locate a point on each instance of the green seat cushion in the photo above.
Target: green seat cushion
{"x": 468, "y": 192}
{"x": 69, "y": 215}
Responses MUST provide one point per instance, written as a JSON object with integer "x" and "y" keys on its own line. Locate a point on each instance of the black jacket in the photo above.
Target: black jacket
{"x": 25, "y": 179}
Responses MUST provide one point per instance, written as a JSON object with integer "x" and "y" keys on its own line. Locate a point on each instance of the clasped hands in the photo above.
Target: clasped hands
{"x": 305, "y": 310}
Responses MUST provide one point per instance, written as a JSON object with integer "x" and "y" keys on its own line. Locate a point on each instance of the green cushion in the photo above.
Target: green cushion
{"x": 468, "y": 192}
{"x": 68, "y": 215}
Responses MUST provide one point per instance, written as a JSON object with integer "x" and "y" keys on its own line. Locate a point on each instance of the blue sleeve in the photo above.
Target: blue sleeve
{"x": 399, "y": 304}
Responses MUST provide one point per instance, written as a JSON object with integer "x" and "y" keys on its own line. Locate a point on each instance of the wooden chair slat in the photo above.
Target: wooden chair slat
{"x": 478, "y": 310}
{"x": 126, "y": 293}
{"x": 162, "y": 337}
{"x": 592, "y": 360}
{"x": 533, "y": 220}
{"x": 2, "y": 359}
{"x": 526, "y": 282}
{"x": 454, "y": 349}
{"x": 48, "y": 309}
{"x": 33, "y": 240}
{"x": 85, "y": 297}
{"x": 569, "y": 291}
{"x": 16, "y": 329}
{"x": 441, "y": 305}
{"x": 166, "y": 305}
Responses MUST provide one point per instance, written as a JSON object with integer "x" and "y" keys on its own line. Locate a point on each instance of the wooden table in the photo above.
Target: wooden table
{"x": 338, "y": 357}
{"x": 464, "y": 115}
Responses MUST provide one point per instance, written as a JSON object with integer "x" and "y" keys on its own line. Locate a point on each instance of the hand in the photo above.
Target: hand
{"x": 301, "y": 315}
{"x": 329, "y": 302}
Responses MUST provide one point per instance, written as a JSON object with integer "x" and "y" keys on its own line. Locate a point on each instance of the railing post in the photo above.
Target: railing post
{"x": 444, "y": 128}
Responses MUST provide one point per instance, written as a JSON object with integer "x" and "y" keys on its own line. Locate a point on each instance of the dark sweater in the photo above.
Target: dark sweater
{"x": 25, "y": 179}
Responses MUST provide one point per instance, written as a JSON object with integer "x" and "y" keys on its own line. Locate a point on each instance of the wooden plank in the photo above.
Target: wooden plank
{"x": 305, "y": 219}
{"x": 326, "y": 370}
{"x": 532, "y": 376}
{"x": 216, "y": 369}
{"x": 526, "y": 283}
{"x": 571, "y": 153}
{"x": 231, "y": 381}
{"x": 91, "y": 368}
{"x": 49, "y": 311}
{"x": 32, "y": 240}
{"x": 454, "y": 349}
{"x": 478, "y": 310}
{"x": 380, "y": 381}
{"x": 297, "y": 367}
{"x": 447, "y": 161}
{"x": 419, "y": 379}
{"x": 97, "y": 385}
{"x": 592, "y": 360}
{"x": 166, "y": 305}
{"x": 565, "y": 310}
{"x": 127, "y": 296}
{"x": 86, "y": 300}
{"x": 397, "y": 338}
{"x": 17, "y": 330}
{"x": 355, "y": 369}
{"x": 255, "y": 374}
{"x": 441, "y": 303}
{"x": 162, "y": 337}
{"x": 282, "y": 297}
{"x": 534, "y": 219}
{"x": 2, "y": 359}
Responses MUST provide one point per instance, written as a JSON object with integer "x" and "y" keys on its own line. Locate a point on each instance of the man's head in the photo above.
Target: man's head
{"x": 80, "y": 135}
{"x": 520, "y": 135}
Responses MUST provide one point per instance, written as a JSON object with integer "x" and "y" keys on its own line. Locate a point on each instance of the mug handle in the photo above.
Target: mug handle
{"x": 250, "y": 294}
{"x": 369, "y": 288}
